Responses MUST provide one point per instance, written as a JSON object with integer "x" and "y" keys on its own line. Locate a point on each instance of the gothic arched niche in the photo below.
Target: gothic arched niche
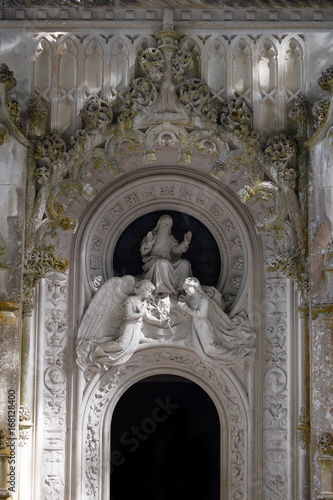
{"x": 203, "y": 252}
{"x": 165, "y": 430}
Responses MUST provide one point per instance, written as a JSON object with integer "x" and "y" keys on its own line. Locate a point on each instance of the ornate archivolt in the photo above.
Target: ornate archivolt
{"x": 102, "y": 394}
{"x": 166, "y": 189}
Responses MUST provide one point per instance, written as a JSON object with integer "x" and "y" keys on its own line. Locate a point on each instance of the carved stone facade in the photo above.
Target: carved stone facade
{"x": 114, "y": 113}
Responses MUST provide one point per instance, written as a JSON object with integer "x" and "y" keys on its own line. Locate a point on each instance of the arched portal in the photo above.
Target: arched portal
{"x": 165, "y": 442}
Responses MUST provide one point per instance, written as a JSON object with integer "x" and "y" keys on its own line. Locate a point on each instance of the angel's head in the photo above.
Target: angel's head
{"x": 164, "y": 306}
{"x": 144, "y": 288}
{"x": 192, "y": 285}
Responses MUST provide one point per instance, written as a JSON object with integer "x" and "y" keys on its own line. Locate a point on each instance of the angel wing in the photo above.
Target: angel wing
{"x": 105, "y": 314}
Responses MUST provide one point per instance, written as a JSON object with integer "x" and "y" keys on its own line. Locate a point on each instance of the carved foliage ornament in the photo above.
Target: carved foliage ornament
{"x": 325, "y": 445}
{"x": 163, "y": 104}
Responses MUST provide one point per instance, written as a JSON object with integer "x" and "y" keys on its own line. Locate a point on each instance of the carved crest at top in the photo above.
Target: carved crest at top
{"x": 165, "y": 92}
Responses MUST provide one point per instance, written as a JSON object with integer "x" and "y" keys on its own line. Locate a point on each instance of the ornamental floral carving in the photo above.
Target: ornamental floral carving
{"x": 319, "y": 112}
{"x": 299, "y": 114}
{"x": 51, "y": 147}
{"x": 182, "y": 63}
{"x": 14, "y": 110}
{"x": 326, "y": 79}
{"x": 140, "y": 95}
{"x": 36, "y": 113}
{"x": 325, "y": 445}
{"x": 152, "y": 63}
{"x": 195, "y": 95}
{"x": 165, "y": 109}
{"x": 7, "y": 76}
{"x": 96, "y": 114}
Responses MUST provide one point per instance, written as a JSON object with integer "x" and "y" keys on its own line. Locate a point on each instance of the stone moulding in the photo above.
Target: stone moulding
{"x": 102, "y": 394}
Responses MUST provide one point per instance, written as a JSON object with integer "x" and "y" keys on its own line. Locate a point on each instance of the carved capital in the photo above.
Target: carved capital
{"x": 181, "y": 64}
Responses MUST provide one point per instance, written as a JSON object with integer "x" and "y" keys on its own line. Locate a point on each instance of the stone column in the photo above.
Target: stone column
{"x": 304, "y": 406}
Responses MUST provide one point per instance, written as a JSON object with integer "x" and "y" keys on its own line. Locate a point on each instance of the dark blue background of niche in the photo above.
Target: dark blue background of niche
{"x": 203, "y": 252}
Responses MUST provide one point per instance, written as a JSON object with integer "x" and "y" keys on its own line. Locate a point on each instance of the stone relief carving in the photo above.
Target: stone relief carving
{"x": 189, "y": 362}
{"x": 275, "y": 390}
{"x": 123, "y": 313}
{"x": 55, "y": 178}
{"x": 164, "y": 104}
{"x": 55, "y": 365}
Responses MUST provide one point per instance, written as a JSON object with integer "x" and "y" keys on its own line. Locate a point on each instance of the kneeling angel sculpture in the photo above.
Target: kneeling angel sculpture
{"x": 214, "y": 334}
{"x": 111, "y": 330}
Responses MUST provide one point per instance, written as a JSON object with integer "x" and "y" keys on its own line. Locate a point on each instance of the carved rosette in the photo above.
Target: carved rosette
{"x": 51, "y": 147}
{"x": 140, "y": 96}
{"x": 152, "y": 62}
{"x": 181, "y": 64}
{"x": 96, "y": 114}
{"x": 195, "y": 95}
{"x": 279, "y": 149}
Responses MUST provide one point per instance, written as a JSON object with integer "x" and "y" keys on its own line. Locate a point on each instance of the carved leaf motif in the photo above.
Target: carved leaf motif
{"x": 140, "y": 95}
{"x": 50, "y": 146}
{"x": 181, "y": 64}
{"x": 195, "y": 95}
{"x": 152, "y": 63}
{"x": 7, "y": 76}
{"x": 97, "y": 114}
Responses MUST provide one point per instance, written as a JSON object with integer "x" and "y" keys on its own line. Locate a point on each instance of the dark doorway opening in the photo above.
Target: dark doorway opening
{"x": 165, "y": 442}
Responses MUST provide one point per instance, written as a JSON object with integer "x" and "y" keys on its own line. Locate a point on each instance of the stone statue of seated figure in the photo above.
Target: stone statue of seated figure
{"x": 161, "y": 254}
